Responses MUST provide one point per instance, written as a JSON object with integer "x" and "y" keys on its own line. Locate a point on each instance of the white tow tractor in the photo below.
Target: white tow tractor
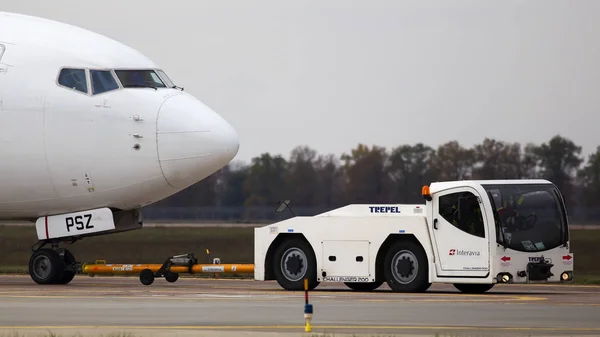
{"x": 472, "y": 234}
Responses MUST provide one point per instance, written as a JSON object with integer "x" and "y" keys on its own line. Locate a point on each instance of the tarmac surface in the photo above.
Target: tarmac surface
{"x": 221, "y": 307}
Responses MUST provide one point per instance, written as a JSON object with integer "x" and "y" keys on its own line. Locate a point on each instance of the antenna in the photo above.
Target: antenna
{"x": 282, "y": 205}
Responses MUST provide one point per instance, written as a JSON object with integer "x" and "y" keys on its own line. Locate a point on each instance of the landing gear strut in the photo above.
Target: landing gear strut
{"x": 52, "y": 265}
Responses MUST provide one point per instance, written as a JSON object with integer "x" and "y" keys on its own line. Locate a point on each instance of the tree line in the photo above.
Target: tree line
{"x": 373, "y": 174}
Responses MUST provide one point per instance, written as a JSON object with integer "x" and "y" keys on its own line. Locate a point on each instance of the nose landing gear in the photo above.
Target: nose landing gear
{"x": 52, "y": 265}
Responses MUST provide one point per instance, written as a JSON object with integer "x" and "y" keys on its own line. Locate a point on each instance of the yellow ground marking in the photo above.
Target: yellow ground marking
{"x": 459, "y": 299}
{"x": 151, "y": 298}
{"x": 289, "y": 327}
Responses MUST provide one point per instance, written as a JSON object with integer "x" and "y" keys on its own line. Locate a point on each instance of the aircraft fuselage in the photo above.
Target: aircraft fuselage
{"x": 66, "y": 149}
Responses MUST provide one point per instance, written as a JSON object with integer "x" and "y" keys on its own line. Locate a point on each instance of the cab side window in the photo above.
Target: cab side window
{"x": 2, "y": 48}
{"x": 102, "y": 81}
{"x": 73, "y": 79}
{"x": 462, "y": 210}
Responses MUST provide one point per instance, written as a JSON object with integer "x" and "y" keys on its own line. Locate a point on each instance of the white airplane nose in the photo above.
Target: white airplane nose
{"x": 193, "y": 141}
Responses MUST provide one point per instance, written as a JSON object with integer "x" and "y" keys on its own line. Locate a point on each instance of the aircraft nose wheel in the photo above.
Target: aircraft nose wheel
{"x": 46, "y": 267}
{"x": 42, "y": 267}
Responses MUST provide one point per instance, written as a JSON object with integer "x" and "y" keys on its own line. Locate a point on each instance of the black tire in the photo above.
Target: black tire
{"x": 472, "y": 288}
{"x": 147, "y": 277}
{"x": 46, "y": 267}
{"x": 299, "y": 263}
{"x": 68, "y": 275}
{"x": 171, "y": 277}
{"x": 366, "y": 286}
{"x": 405, "y": 267}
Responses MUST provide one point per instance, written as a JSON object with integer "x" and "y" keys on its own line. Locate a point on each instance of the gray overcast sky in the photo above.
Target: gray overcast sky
{"x": 332, "y": 74}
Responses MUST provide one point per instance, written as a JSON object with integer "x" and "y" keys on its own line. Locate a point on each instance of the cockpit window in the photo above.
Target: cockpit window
{"x": 102, "y": 81}
{"x": 139, "y": 79}
{"x": 73, "y": 79}
{"x": 165, "y": 78}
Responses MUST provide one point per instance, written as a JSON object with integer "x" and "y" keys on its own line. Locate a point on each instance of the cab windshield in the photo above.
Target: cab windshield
{"x": 529, "y": 218}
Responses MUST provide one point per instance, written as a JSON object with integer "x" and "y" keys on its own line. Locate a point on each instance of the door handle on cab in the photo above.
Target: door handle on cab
{"x": 435, "y": 223}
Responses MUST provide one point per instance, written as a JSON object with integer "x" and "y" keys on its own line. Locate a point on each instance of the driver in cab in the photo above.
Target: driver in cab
{"x": 509, "y": 214}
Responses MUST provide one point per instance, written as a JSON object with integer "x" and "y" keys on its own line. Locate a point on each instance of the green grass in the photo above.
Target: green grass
{"x": 585, "y": 246}
{"x": 147, "y": 245}
{"x": 231, "y": 245}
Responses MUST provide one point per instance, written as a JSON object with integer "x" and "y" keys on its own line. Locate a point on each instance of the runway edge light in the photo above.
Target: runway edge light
{"x": 308, "y": 309}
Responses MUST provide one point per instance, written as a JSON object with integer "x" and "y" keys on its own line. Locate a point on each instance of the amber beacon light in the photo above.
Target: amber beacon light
{"x": 425, "y": 192}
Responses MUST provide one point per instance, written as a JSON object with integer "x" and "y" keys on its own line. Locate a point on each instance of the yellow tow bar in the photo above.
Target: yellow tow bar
{"x": 170, "y": 270}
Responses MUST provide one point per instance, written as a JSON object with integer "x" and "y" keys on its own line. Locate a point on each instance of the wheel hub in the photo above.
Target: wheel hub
{"x": 294, "y": 264}
{"x": 42, "y": 267}
{"x": 405, "y": 267}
